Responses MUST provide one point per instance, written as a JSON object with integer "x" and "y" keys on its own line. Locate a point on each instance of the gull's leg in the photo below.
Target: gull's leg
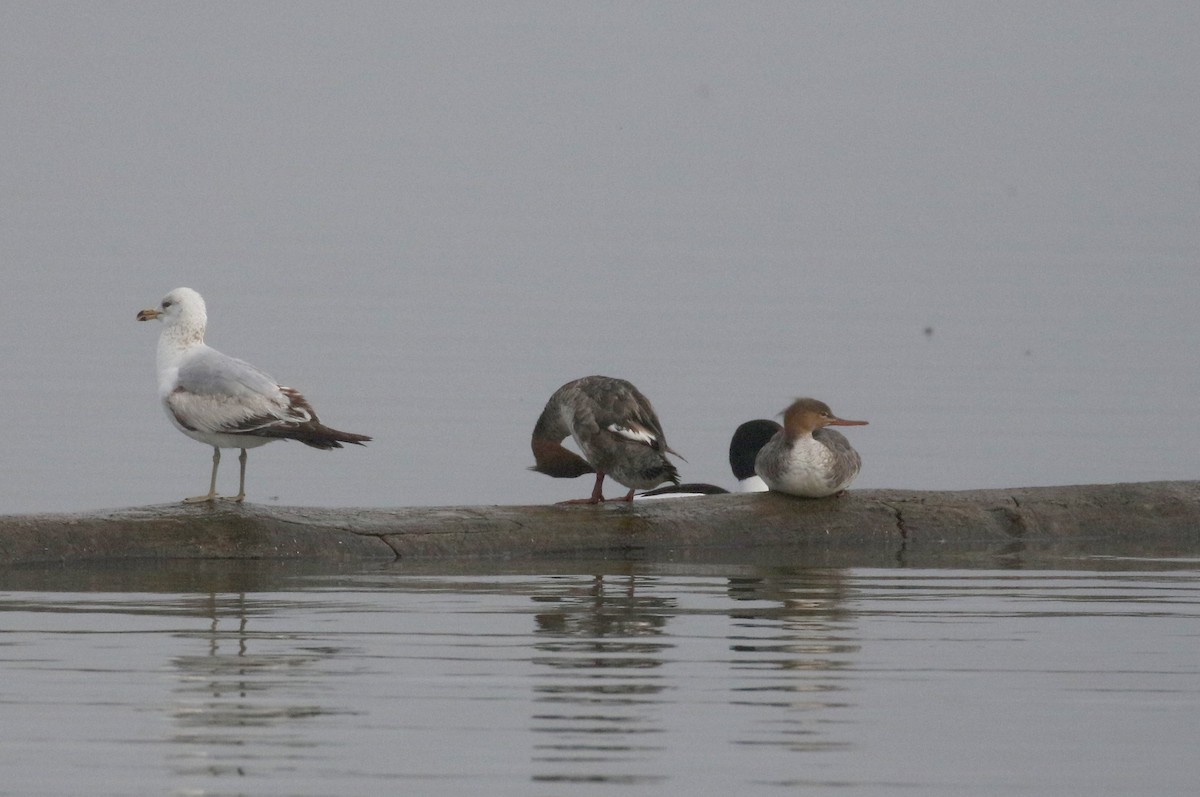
{"x": 241, "y": 496}
{"x": 212, "y": 485}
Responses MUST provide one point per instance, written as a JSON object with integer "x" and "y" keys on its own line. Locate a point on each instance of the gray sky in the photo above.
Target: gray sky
{"x": 424, "y": 214}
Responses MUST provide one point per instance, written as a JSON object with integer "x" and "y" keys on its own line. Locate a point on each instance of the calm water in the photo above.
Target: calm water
{"x": 750, "y": 681}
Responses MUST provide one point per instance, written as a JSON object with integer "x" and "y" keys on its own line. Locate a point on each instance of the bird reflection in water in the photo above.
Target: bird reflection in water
{"x": 229, "y": 716}
{"x": 602, "y": 645}
{"x": 793, "y": 645}
{"x": 620, "y": 660}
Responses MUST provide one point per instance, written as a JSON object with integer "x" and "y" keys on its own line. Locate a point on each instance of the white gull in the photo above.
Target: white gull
{"x": 225, "y": 402}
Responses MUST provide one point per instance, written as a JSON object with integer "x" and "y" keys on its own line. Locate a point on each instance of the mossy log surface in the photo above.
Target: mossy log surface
{"x": 867, "y": 526}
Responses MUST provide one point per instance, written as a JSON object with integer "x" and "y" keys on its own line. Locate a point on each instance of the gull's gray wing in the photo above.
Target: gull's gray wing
{"x": 217, "y": 393}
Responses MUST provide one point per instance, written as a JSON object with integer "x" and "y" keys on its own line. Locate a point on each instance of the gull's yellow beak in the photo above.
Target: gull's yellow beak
{"x": 148, "y": 314}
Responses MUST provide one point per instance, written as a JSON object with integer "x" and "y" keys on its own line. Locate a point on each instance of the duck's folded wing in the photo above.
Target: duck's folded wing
{"x": 632, "y": 417}
{"x": 631, "y": 430}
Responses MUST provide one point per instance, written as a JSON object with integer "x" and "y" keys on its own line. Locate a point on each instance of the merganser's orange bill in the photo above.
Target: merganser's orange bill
{"x": 844, "y": 422}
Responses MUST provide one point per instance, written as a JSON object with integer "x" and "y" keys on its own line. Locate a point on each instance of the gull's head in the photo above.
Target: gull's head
{"x": 180, "y": 306}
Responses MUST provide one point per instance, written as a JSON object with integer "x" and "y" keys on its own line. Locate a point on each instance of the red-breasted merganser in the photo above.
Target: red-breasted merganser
{"x": 806, "y": 459}
{"x": 223, "y": 402}
{"x": 614, "y": 426}
{"x": 744, "y": 446}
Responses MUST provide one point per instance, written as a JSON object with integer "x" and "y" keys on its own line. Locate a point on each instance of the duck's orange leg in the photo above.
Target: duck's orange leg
{"x": 597, "y": 496}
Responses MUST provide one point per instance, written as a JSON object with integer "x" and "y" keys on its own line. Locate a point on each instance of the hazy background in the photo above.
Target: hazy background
{"x": 429, "y": 216}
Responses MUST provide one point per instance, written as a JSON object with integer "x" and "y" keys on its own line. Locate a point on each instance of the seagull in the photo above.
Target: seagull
{"x": 616, "y": 429}
{"x": 224, "y": 402}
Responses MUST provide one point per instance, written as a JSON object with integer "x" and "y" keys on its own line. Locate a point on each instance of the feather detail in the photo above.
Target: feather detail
{"x": 635, "y": 432}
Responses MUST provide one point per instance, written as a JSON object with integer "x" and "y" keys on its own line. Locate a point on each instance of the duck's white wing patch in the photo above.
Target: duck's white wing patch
{"x": 634, "y": 432}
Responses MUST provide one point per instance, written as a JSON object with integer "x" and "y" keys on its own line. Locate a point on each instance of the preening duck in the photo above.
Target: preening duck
{"x": 615, "y": 428}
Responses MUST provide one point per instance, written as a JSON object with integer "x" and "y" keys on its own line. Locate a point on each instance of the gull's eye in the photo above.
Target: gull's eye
{"x": 167, "y": 303}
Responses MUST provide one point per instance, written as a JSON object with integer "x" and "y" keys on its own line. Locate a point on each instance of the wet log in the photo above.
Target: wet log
{"x": 863, "y": 527}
